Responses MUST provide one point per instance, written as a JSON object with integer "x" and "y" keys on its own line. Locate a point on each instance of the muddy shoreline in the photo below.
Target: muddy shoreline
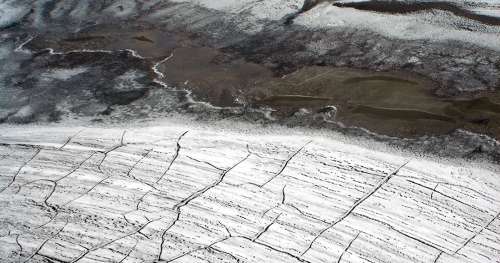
{"x": 390, "y": 90}
{"x": 395, "y": 103}
{"x": 418, "y": 130}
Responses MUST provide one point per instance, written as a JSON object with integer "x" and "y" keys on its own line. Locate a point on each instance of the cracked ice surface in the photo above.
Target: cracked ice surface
{"x": 181, "y": 193}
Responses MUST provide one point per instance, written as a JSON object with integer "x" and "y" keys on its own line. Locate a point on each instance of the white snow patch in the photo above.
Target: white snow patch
{"x": 122, "y": 8}
{"x": 39, "y": 12}
{"x": 24, "y": 112}
{"x": 222, "y": 5}
{"x": 81, "y": 10}
{"x": 5, "y": 52}
{"x": 493, "y": 12}
{"x": 64, "y": 74}
{"x": 269, "y": 9}
{"x": 127, "y": 81}
{"x": 61, "y": 8}
{"x": 422, "y": 25}
{"x": 321, "y": 46}
{"x": 11, "y": 13}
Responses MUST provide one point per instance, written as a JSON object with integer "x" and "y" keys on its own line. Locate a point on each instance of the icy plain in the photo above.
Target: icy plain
{"x": 171, "y": 192}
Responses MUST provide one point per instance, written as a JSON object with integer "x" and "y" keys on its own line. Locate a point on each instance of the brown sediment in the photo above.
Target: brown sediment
{"x": 148, "y": 42}
{"x": 405, "y": 114}
{"x": 381, "y": 78}
{"x": 394, "y": 103}
{"x": 84, "y": 38}
{"x": 481, "y": 104}
{"x": 143, "y": 38}
{"x": 400, "y": 7}
{"x": 205, "y": 72}
{"x": 276, "y": 99}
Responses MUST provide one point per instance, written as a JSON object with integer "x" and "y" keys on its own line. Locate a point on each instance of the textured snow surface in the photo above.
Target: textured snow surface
{"x": 428, "y": 25}
{"x": 495, "y": 12}
{"x": 269, "y": 9}
{"x": 10, "y": 13}
{"x": 437, "y": 25}
{"x": 179, "y": 193}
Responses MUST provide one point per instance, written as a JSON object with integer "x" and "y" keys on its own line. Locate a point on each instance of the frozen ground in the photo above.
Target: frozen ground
{"x": 171, "y": 192}
{"x": 180, "y": 192}
{"x": 434, "y": 25}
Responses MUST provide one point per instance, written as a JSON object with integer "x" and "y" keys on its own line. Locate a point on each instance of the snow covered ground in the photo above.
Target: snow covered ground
{"x": 434, "y": 25}
{"x": 181, "y": 192}
{"x": 177, "y": 192}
